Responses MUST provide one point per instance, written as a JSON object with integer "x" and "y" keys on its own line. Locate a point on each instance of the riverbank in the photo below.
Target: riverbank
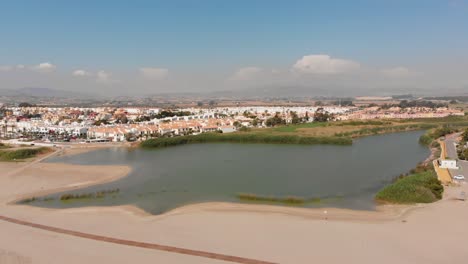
{"x": 243, "y": 138}
{"x": 275, "y": 233}
{"x": 363, "y": 236}
{"x": 336, "y": 133}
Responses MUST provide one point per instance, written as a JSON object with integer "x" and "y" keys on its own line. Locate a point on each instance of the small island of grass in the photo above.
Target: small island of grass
{"x": 292, "y": 200}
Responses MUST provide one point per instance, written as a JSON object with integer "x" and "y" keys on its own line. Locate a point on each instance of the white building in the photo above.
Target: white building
{"x": 448, "y": 164}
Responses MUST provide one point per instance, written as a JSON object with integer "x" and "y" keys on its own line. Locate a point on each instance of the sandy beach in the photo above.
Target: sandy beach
{"x": 432, "y": 233}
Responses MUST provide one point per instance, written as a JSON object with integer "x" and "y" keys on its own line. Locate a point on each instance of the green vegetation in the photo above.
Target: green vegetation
{"x": 164, "y": 114}
{"x": 385, "y": 129}
{"x": 28, "y": 200}
{"x": 293, "y": 128}
{"x": 337, "y": 132}
{"x": 69, "y": 196}
{"x": 290, "y": 200}
{"x": 98, "y": 194}
{"x": 463, "y": 153}
{"x": 421, "y": 187}
{"x": 465, "y": 135}
{"x": 462, "y": 148}
{"x": 275, "y": 121}
{"x": 321, "y": 115}
{"x": 431, "y": 135}
{"x": 4, "y": 146}
{"x": 21, "y": 154}
{"x": 426, "y": 139}
{"x": 243, "y": 138}
{"x": 364, "y": 123}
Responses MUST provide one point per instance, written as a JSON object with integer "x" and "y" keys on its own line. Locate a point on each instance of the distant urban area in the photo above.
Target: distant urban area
{"x": 27, "y": 121}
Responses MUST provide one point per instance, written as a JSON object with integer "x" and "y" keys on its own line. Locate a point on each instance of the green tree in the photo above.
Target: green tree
{"x": 130, "y": 137}
{"x": 295, "y": 118}
{"x": 322, "y": 116}
{"x": 255, "y": 122}
{"x": 274, "y": 121}
{"x": 465, "y": 135}
{"x": 24, "y": 104}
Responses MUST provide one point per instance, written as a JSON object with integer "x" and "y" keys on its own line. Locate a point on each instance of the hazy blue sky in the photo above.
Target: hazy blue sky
{"x": 154, "y": 46}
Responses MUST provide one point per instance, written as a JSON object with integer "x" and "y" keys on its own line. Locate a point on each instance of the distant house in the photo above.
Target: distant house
{"x": 209, "y": 128}
{"x": 227, "y": 129}
{"x": 448, "y": 164}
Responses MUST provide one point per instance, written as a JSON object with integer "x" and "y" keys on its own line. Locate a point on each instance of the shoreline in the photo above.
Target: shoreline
{"x": 381, "y": 212}
{"x": 256, "y": 231}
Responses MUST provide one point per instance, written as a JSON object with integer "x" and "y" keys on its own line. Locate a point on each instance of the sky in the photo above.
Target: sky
{"x": 149, "y": 47}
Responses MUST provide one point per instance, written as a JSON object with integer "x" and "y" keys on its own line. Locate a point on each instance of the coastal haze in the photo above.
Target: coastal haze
{"x": 253, "y": 132}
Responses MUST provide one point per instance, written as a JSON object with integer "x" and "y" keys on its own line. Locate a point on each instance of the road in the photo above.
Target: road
{"x": 463, "y": 169}
{"x": 451, "y": 147}
{"x": 450, "y": 143}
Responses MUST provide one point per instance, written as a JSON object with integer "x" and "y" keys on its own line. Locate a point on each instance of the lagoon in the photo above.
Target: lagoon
{"x": 331, "y": 176}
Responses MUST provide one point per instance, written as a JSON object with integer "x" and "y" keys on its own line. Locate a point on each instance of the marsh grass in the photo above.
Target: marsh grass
{"x": 429, "y": 138}
{"x": 28, "y": 200}
{"x": 77, "y": 196}
{"x": 270, "y": 199}
{"x": 293, "y": 128}
{"x": 21, "y": 154}
{"x": 385, "y": 129}
{"x": 336, "y": 132}
{"x": 4, "y": 146}
{"x": 420, "y": 187}
{"x": 288, "y": 200}
{"x": 244, "y": 138}
{"x": 81, "y": 196}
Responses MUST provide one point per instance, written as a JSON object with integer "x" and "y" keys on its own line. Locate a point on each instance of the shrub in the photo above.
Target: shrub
{"x": 422, "y": 187}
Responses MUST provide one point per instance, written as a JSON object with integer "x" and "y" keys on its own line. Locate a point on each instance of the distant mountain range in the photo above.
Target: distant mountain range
{"x": 290, "y": 92}
{"x": 43, "y": 93}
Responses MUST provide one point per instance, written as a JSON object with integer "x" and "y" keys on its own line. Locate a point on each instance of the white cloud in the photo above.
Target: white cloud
{"x": 104, "y": 77}
{"x": 324, "y": 64}
{"x": 154, "y": 73}
{"x": 396, "y": 72}
{"x": 246, "y": 73}
{"x": 44, "y": 67}
{"x": 81, "y": 73}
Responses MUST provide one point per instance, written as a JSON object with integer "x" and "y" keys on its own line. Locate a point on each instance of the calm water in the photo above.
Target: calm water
{"x": 163, "y": 179}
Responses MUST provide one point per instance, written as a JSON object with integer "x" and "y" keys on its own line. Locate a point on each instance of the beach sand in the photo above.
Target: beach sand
{"x": 431, "y": 233}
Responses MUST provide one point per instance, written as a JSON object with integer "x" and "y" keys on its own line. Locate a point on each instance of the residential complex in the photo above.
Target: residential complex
{"x": 129, "y": 124}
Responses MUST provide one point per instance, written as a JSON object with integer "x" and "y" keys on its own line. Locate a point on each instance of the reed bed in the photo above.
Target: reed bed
{"x": 244, "y": 138}
{"x": 291, "y": 200}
